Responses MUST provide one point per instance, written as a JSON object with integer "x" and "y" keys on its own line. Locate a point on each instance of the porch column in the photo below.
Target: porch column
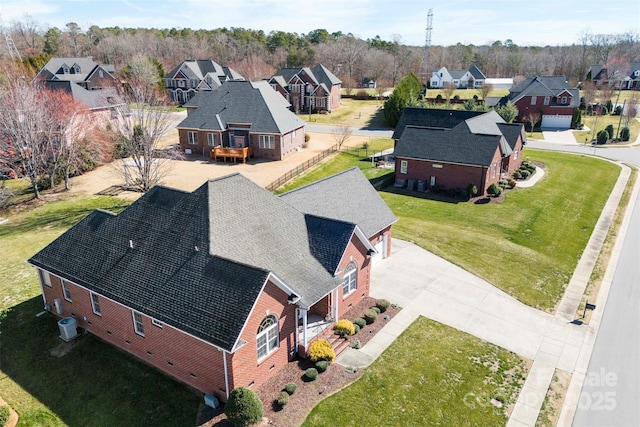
{"x": 304, "y": 327}
{"x": 334, "y": 295}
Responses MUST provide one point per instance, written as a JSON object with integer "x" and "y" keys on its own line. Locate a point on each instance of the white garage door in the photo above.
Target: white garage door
{"x": 380, "y": 248}
{"x": 556, "y": 121}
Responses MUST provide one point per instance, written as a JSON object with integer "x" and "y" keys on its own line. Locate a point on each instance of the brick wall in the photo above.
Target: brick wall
{"x": 184, "y": 357}
{"x": 355, "y": 251}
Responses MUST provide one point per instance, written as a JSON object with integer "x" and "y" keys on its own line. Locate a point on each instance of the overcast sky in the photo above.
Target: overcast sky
{"x": 528, "y": 22}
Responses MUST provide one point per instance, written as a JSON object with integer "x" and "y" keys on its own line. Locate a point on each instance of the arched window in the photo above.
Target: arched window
{"x": 350, "y": 283}
{"x": 267, "y": 338}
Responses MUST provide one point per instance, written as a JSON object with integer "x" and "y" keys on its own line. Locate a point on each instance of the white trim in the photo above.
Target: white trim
{"x": 266, "y": 333}
{"x": 66, "y": 293}
{"x": 45, "y": 278}
{"x": 156, "y": 322}
{"x": 138, "y": 326}
{"x": 226, "y": 374}
{"x": 95, "y": 303}
{"x": 349, "y": 277}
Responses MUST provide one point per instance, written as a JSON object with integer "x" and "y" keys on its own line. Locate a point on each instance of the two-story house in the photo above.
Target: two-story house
{"x": 193, "y": 76}
{"x": 629, "y": 79}
{"x": 472, "y": 78}
{"x": 241, "y": 115}
{"x": 308, "y": 89}
{"x": 552, "y": 97}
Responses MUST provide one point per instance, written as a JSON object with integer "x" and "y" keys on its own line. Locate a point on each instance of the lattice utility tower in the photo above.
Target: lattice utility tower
{"x": 11, "y": 46}
{"x": 426, "y": 72}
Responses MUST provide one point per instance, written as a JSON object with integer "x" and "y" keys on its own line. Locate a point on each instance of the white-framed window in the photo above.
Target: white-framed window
{"x": 194, "y": 83}
{"x": 267, "y": 141}
{"x": 350, "y": 282}
{"x": 65, "y": 69}
{"x": 534, "y": 100}
{"x": 546, "y": 100}
{"x": 46, "y": 279}
{"x": 181, "y": 83}
{"x": 76, "y": 69}
{"x": 267, "y": 338}
{"x": 403, "y": 166}
{"x": 515, "y": 154}
{"x": 564, "y": 100}
{"x": 95, "y": 304}
{"x": 157, "y": 323}
{"x": 65, "y": 290}
{"x": 138, "y": 326}
{"x": 211, "y": 139}
{"x": 294, "y": 88}
{"x": 192, "y": 137}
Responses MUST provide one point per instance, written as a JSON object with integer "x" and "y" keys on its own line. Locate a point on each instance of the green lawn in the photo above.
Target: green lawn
{"x": 431, "y": 375}
{"x": 94, "y": 383}
{"x": 352, "y": 112}
{"x": 602, "y": 122}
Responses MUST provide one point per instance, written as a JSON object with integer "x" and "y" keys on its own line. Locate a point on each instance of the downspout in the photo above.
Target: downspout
{"x": 297, "y": 329}
{"x": 226, "y": 375}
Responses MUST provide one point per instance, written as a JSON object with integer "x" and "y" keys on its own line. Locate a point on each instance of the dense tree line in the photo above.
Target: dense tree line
{"x": 257, "y": 55}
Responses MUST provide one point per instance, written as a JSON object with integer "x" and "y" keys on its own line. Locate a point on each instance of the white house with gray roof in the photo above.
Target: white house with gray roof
{"x": 472, "y": 78}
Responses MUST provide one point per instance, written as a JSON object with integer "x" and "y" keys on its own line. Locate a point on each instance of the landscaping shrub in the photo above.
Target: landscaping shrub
{"x": 360, "y": 322}
{"x": 494, "y": 190}
{"x": 290, "y": 388}
{"x": 376, "y": 309}
{"x": 362, "y": 94}
{"x": 311, "y": 374}
{"x": 525, "y": 174}
{"x": 4, "y": 415}
{"x": 472, "y": 190}
{"x": 243, "y": 407}
{"x": 370, "y": 316}
{"x": 307, "y": 137}
{"x": 283, "y": 398}
{"x": 355, "y": 344}
{"x": 344, "y": 327}
{"x": 322, "y": 366}
{"x": 517, "y": 175}
{"x": 511, "y": 183}
{"x": 382, "y": 304}
{"x": 610, "y": 131}
{"x": 603, "y": 136}
{"x": 625, "y": 134}
{"x": 321, "y": 350}
{"x": 356, "y": 329}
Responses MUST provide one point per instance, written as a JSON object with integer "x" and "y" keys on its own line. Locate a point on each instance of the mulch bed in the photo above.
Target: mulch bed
{"x": 308, "y": 394}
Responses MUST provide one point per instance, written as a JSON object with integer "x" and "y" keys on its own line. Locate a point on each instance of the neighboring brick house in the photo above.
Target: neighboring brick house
{"x": 472, "y": 78}
{"x": 307, "y": 88}
{"x": 450, "y": 149}
{"x": 219, "y": 287}
{"x": 89, "y": 82}
{"x": 552, "y": 97}
{"x": 193, "y": 76}
{"x": 630, "y": 81}
{"x": 241, "y": 114}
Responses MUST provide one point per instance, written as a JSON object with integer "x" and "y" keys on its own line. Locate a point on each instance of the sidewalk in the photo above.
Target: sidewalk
{"x": 426, "y": 285}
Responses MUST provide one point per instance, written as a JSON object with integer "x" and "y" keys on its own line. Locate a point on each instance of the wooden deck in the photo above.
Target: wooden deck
{"x": 231, "y": 153}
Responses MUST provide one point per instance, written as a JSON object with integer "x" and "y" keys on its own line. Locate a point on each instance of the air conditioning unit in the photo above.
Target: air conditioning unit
{"x": 211, "y": 401}
{"x": 67, "y": 328}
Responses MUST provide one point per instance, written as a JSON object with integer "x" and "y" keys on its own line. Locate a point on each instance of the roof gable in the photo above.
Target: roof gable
{"x": 437, "y": 118}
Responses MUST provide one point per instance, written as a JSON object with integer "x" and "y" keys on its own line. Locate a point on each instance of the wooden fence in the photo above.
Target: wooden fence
{"x": 301, "y": 168}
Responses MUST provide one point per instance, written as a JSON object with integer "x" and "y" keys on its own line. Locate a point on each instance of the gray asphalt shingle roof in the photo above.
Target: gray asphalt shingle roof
{"x": 241, "y": 102}
{"x": 355, "y": 200}
{"x": 544, "y": 86}
{"x": 198, "y": 261}
{"x": 94, "y": 99}
{"x": 435, "y": 118}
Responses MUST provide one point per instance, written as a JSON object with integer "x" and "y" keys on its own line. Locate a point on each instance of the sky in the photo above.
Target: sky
{"x": 526, "y": 23}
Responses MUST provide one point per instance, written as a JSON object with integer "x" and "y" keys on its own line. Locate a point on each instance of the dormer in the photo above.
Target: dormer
{"x": 75, "y": 68}
{"x": 64, "y": 69}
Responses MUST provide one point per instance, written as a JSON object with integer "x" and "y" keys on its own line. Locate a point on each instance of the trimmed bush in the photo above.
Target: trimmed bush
{"x": 382, "y": 304}
{"x": 494, "y": 190}
{"x": 307, "y": 137}
{"x": 525, "y": 174}
{"x": 321, "y": 350}
{"x": 360, "y": 322}
{"x": 610, "y": 131}
{"x": 370, "y": 316}
{"x": 322, "y": 366}
{"x": 517, "y": 175}
{"x": 603, "y": 137}
{"x": 311, "y": 374}
{"x": 283, "y": 398}
{"x": 511, "y": 183}
{"x": 472, "y": 190}
{"x": 625, "y": 134}
{"x": 356, "y": 329}
{"x": 355, "y": 344}
{"x": 344, "y": 327}
{"x": 244, "y": 407}
{"x": 376, "y": 309}
{"x": 290, "y": 388}
{"x": 5, "y": 413}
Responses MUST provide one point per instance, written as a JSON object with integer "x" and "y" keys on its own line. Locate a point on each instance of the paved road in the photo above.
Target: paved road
{"x": 610, "y": 394}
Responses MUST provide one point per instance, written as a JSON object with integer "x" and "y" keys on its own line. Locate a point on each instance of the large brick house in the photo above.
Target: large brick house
{"x": 193, "y": 76}
{"x": 450, "y": 149}
{"x": 306, "y": 88}
{"x": 629, "y": 78}
{"x": 241, "y": 114}
{"x": 218, "y": 287}
{"x": 551, "y": 97}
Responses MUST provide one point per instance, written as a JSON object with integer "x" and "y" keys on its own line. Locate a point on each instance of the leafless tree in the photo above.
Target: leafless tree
{"x": 74, "y": 31}
{"x": 140, "y": 128}
{"x": 448, "y": 89}
{"x": 485, "y": 90}
{"x": 630, "y": 111}
{"x": 533, "y": 117}
{"x": 341, "y": 134}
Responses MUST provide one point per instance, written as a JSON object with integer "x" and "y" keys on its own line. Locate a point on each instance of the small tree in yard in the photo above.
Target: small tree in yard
{"x": 533, "y": 117}
{"x": 603, "y": 137}
{"x": 625, "y": 134}
{"x": 448, "y": 89}
{"x": 610, "y": 130}
{"x": 341, "y": 134}
{"x": 508, "y": 112}
{"x": 484, "y": 91}
{"x": 244, "y": 407}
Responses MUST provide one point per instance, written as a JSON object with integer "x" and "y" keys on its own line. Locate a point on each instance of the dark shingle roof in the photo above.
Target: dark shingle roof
{"x": 94, "y": 99}
{"x": 319, "y": 73}
{"x": 476, "y": 73}
{"x": 512, "y": 131}
{"x": 473, "y": 141}
{"x": 544, "y": 86}
{"x": 355, "y": 201}
{"x": 198, "y": 261}
{"x": 241, "y": 102}
{"x": 435, "y": 118}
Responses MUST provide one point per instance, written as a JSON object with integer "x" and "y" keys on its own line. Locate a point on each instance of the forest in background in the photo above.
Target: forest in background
{"x": 257, "y": 55}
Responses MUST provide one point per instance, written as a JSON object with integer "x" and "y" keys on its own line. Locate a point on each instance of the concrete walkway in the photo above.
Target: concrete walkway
{"x": 426, "y": 285}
